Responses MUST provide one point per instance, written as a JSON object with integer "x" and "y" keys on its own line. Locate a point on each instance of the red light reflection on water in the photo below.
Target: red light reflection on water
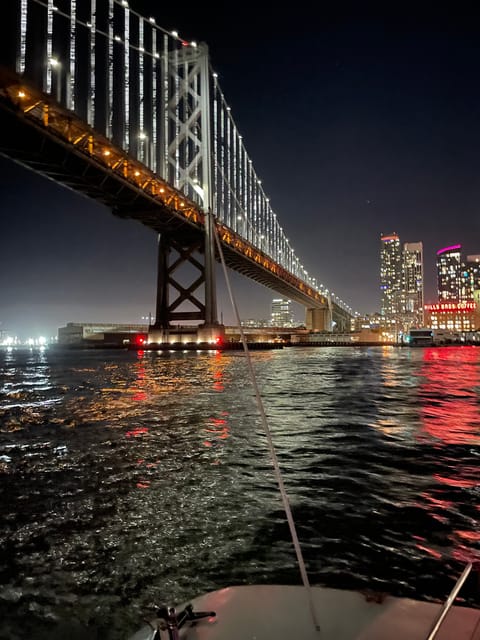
{"x": 420, "y": 544}
{"x": 436, "y": 502}
{"x": 138, "y": 431}
{"x": 465, "y": 483}
{"x": 449, "y": 402}
{"x": 449, "y": 411}
{"x": 470, "y": 536}
{"x": 217, "y": 430}
{"x": 218, "y": 384}
{"x": 218, "y": 366}
{"x": 220, "y": 428}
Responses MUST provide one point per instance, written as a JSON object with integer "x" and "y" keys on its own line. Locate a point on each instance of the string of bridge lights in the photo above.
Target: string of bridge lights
{"x": 243, "y": 201}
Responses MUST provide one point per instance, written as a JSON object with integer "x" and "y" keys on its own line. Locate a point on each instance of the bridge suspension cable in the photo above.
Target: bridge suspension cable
{"x": 156, "y": 96}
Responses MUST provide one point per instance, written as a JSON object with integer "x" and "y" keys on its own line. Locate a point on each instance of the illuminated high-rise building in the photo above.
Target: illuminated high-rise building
{"x": 453, "y": 279}
{"x": 473, "y": 268}
{"x": 390, "y": 277}
{"x": 401, "y": 284}
{"x": 412, "y": 298}
{"x": 281, "y": 313}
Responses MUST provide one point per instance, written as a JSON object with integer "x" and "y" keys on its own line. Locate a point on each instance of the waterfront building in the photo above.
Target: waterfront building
{"x": 401, "y": 284}
{"x": 453, "y": 281}
{"x": 458, "y": 307}
{"x": 367, "y": 322}
{"x": 82, "y": 333}
{"x": 281, "y": 313}
{"x": 412, "y": 294}
{"x": 253, "y": 323}
{"x": 453, "y": 316}
{"x": 390, "y": 277}
{"x": 473, "y": 268}
{"x": 458, "y": 280}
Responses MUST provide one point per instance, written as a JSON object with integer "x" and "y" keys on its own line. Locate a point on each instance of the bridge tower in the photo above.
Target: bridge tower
{"x": 186, "y": 159}
{"x": 108, "y": 103}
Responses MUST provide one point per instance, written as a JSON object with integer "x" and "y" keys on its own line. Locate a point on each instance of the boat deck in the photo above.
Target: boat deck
{"x": 267, "y": 612}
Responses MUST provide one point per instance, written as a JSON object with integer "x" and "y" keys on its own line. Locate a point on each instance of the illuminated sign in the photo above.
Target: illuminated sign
{"x": 448, "y": 307}
{"x": 452, "y": 248}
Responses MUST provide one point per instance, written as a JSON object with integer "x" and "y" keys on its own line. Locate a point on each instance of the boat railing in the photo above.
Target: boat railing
{"x": 449, "y": 602}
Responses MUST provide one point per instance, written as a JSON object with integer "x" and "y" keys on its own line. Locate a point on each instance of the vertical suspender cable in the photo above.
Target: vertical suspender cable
{"x": 91, "y": 81}
{"x": 22, "y": 50}
{"x": 126, "y": 79}
{"x": 70, "y": 83}
{"x": 109, "y": 97}
{"x": 49, "y": 52}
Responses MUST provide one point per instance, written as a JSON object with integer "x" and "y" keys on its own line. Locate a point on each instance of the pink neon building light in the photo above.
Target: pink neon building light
{"x": 454, "y": 246}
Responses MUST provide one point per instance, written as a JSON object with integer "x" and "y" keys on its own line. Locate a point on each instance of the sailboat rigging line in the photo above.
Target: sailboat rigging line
{"x": 449, "y": 602}
{"x": 271, "y": 446}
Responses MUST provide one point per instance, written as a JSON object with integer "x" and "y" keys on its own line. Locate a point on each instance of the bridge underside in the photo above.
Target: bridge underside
{"x": 26, "y": 140}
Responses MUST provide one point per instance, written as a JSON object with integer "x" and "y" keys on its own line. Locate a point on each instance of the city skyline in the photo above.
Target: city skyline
{"x": 384, "y": 138}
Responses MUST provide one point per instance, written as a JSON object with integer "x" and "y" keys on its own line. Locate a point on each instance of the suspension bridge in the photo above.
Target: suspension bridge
{"x": 104, "y": 101}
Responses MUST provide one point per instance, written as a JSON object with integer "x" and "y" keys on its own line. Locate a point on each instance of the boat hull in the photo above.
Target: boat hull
{"x": 276, "y": 612}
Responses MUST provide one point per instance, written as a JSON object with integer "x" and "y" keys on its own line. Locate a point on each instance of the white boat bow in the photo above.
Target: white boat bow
{"x": 275, "y": 612}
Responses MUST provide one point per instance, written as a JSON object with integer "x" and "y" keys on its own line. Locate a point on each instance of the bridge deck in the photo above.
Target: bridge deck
{"x": 40, "y": 134}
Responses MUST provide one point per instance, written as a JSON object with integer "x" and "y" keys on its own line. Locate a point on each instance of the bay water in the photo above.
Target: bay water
{"x": 130, "y": 479}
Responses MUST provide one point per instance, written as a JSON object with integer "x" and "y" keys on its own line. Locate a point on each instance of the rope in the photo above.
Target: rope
{"x": 271, "y": 446}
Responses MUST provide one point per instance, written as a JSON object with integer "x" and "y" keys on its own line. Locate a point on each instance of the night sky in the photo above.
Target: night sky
{"x": 359, "y": 122}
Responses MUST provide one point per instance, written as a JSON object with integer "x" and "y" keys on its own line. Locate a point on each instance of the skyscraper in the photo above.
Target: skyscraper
{"x": 450, "y": 274}
{"x": 413, "y": 283}
{"x": 473, "y": 268}
{"x": 281, "y": 313}
{"x": 390, "y": 277}
{"x": 401, "y": 283}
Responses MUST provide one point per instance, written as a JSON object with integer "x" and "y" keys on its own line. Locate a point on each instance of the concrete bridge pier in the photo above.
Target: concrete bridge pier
{"x": 319, "y": 319}
{"x": 213, "y": 333}
{"x": 188, "y": 297}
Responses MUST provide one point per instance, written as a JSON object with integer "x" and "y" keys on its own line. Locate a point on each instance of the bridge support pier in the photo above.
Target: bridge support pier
{"x": 175, "y": 255}
{"x": 319, "y": 319}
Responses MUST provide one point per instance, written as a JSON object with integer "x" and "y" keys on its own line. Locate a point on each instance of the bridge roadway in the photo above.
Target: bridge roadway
{"x": 40, "y": 134}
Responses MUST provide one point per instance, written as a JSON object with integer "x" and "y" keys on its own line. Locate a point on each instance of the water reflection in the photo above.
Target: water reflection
{"x": 149, "y": 479}
{"x": 217, "y": 428}
{"x": 449, "y": 394}
{"x": 139, "y": 393}
{"x": 449, "y": 414}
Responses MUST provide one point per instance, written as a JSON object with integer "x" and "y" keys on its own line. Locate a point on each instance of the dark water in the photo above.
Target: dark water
{"x": 131, "y": 479}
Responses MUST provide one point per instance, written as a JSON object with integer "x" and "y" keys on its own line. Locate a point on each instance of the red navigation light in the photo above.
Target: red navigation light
{"x": 141, "y": 339}
{"x": 218, "y": 340}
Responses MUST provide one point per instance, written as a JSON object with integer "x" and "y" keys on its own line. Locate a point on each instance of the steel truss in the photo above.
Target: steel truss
{"x": 154, "y": 97}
